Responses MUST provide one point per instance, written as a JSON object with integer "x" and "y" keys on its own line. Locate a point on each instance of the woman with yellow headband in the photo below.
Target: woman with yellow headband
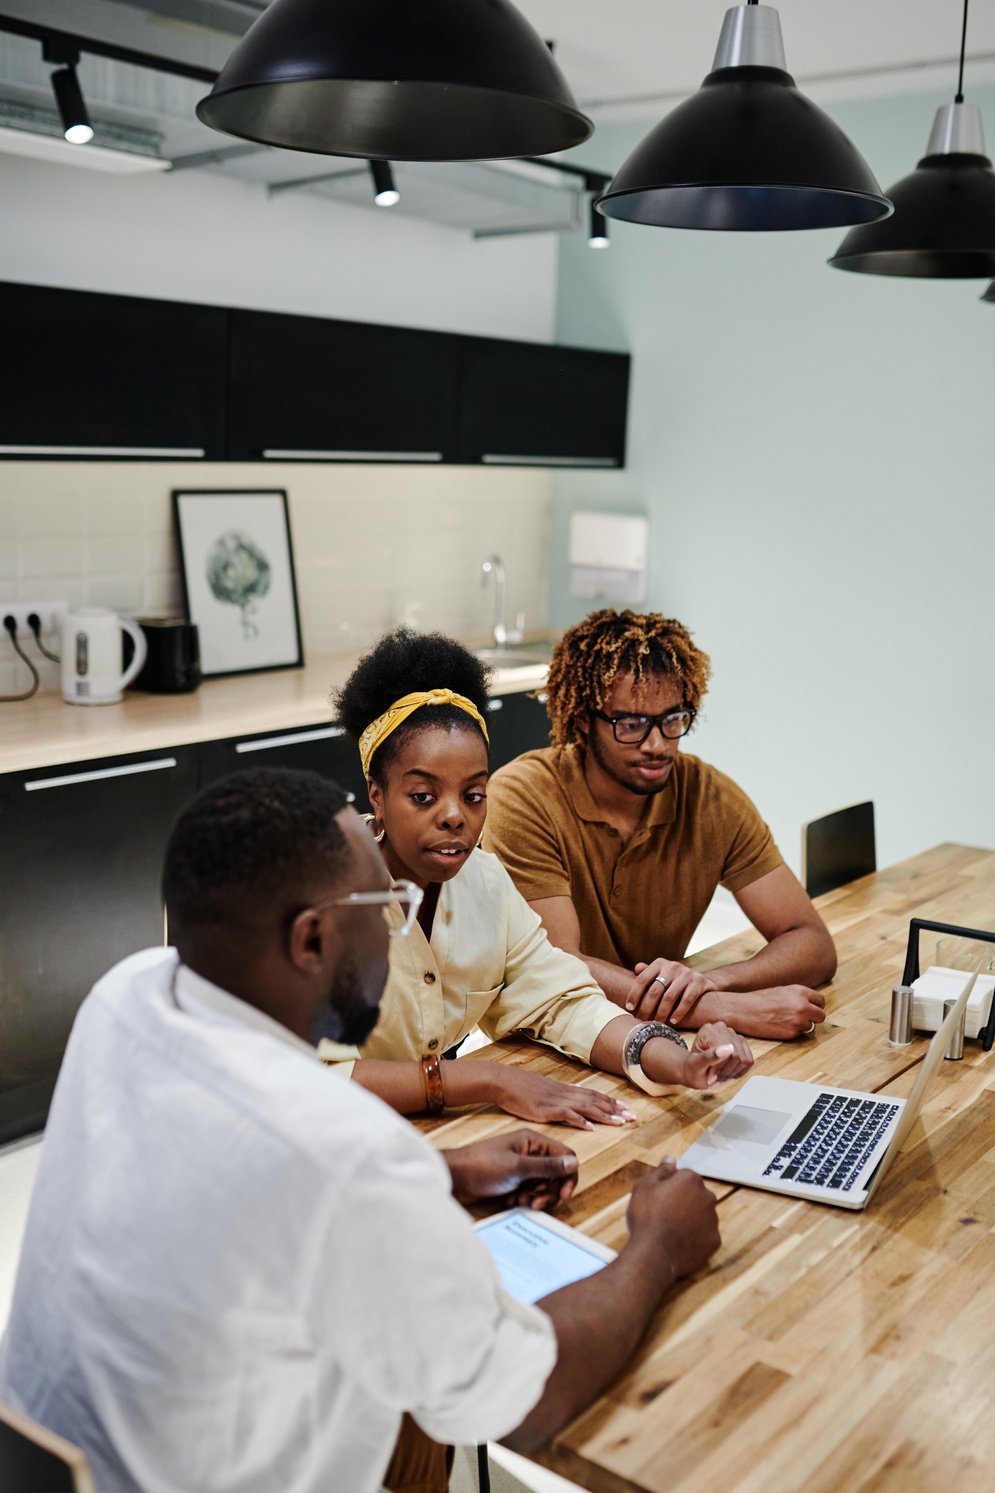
{"x": 477, "y": 955}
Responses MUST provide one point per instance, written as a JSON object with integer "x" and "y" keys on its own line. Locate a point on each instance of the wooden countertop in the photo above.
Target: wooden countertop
{"x": 822, "y": 1349}
{"x": 45, "y": 731}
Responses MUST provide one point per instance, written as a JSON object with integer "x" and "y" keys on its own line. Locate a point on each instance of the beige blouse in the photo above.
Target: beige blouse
{"x": 488, "y": 964}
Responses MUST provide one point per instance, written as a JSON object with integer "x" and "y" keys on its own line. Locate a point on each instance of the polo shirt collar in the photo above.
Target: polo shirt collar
{"x": 662, "y": 807}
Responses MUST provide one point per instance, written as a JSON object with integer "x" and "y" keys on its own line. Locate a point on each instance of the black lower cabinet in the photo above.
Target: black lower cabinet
{"x": 80, "y": 861}
{"x": 324, "y": 749}
{"x": 517, "y": 724}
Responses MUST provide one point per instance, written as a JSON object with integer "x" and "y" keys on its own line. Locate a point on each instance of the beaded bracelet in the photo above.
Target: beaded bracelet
{"x": 634, "y": 1044}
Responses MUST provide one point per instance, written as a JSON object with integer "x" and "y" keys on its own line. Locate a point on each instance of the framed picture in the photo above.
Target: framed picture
{"x": 237, "y": 566}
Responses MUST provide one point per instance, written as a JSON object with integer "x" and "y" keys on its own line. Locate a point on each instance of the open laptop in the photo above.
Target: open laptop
{"x": 830, "y": 1145}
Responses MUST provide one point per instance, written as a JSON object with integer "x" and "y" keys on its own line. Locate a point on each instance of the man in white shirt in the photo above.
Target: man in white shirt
{"x": 238, "y": 1273}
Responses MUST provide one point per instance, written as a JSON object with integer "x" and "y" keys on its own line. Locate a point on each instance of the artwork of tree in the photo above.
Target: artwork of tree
{"x": 239, "y": 574}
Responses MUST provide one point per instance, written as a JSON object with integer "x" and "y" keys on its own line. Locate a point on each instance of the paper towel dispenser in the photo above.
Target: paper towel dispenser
{"x": 607, "y": 557}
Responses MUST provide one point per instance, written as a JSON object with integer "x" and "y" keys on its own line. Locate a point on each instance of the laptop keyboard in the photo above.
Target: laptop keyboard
{"x": 833, "y": 1141}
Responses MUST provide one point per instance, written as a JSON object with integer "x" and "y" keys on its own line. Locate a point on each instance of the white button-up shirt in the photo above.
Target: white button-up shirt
{"x": 237, "y": 1272}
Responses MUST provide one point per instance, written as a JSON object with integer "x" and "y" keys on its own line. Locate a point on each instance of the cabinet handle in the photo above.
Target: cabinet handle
{"x": 129, "y": 770}
{"x": 501, "y": 459}
{"x": 495, "y": 705}
{"x": 275, "y": 453}
{"x": 177, "y": 451}
{"x": 267, "y": 743}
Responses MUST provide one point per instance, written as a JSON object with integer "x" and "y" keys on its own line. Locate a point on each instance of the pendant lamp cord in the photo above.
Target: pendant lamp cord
{"x": 963, "y": 42}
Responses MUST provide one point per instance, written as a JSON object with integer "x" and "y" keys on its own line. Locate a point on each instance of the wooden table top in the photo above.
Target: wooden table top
{"x": 821, "y": 1349}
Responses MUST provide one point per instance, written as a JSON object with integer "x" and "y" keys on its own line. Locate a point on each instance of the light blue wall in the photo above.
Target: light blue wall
{"x": 816, "y": 452}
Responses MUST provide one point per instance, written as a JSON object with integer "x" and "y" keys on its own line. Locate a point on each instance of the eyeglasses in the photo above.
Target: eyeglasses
{"x": 633, "y": 730}
{"x": 403, "y": 894}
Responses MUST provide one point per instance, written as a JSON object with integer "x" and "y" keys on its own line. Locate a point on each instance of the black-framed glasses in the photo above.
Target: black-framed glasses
{"x": 404, "y": 894}
{"x": 632, "y": 730}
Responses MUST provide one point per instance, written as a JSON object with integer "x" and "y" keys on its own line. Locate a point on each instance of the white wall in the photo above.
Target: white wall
{"x": 199, "y": 236}
{"x": 816, "y": 451}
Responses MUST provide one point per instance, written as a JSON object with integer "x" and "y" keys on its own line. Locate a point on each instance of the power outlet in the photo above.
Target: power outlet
{"x": 48, "y": 613}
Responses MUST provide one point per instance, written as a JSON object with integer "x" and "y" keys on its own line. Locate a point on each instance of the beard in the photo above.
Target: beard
{"x": 349, "y": 1017}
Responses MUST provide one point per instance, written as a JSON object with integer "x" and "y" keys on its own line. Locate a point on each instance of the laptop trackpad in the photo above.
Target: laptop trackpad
{"x": 747, "y": 1130}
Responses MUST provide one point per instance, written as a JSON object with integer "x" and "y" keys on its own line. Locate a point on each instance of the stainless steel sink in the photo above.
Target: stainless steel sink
{"x": 513, "y": 658}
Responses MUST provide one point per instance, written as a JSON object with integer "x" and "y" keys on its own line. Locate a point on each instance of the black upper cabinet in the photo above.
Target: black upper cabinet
{"x": 107, "y": 375}
{"x": 343, "y": 390}
{"x": 525, "y": 403}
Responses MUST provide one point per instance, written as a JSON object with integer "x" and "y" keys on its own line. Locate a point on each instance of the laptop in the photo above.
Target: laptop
{"x": 830, "y": 1145}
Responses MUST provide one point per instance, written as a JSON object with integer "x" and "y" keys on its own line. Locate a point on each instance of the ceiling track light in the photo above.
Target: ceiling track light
{"x": 597, "y": 231}
{"x": 76, "y": 124}
{"x": 443, "y": 80}
{"x": 989, "y": 294}
{"x": 385, "y": 193}
{"x": 747, "y": 151}
{"x": 944, "y": 222}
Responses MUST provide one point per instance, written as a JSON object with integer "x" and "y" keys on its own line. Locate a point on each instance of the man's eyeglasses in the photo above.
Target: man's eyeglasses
{"x": 632, "y": 730}
{"x": 404, "y": 894}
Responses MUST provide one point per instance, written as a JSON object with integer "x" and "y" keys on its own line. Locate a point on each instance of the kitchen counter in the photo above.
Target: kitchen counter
{"x": 45, "y": 731}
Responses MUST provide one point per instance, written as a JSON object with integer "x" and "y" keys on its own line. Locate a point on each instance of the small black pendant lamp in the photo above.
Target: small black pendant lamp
{"x": 746, "y": 151}
{"x": 943, "y": 227}
{"x": 436, "y": 80}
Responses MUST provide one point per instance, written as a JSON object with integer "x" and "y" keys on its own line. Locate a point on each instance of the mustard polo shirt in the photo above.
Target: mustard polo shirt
{"x": 643, "y": 901}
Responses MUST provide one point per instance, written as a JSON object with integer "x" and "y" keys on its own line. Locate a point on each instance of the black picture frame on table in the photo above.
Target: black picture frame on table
{"x": 238, "y": 577}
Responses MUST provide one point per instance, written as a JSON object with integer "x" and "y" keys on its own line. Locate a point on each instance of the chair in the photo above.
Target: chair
{"x": 838, "y": 848}
{"x": 33, "y": 1460}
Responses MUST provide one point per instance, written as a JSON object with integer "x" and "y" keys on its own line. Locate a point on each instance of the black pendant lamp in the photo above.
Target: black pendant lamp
{"x": 436, "y": 80}
{"x": 944, "y": 222}
{"x": 747, "y": 151}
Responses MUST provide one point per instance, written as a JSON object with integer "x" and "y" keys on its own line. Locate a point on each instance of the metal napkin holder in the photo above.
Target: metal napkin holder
{"x": 986, "y": 1036}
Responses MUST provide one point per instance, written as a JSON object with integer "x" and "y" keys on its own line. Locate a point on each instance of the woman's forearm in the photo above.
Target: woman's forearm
{"x": 402, "y": 1084}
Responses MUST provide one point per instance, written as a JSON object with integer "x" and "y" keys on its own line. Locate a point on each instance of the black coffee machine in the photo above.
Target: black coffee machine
{"x": 173, "y": 663}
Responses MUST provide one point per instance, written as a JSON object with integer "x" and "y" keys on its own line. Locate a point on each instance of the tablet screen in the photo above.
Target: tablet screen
{"x": 534, "y": 1259}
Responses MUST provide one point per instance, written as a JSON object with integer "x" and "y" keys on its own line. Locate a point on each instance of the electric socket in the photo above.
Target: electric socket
{"x": 49, "y": 614}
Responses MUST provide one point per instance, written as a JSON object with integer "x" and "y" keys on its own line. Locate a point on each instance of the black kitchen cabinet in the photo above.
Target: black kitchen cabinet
{"x": 322, "y": 749}
{"x": 109, "y": 375}
{"x": 79, "y": 890}
{"x": 339, "y": 390}
{"x": 529, "y": 404}
{"x": 516, "y": 724}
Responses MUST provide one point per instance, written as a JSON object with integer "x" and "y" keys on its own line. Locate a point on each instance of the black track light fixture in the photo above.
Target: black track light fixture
{"x": 989, "y": 294}
{"x": 944, "y": 222}
{"x": 385, "y": 192}
{"x": 747, "y": 151}
{"x": 440, "y": 80}
{"x": 597, "y": 231}
{"x": 76, "y": 124}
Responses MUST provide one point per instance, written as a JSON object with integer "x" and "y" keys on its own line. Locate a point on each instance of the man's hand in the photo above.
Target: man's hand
{"x": 783, "y": 1011}
{"x": 524, "y": 1168}
{"x": 546, "y": 1102}
{"x": 666, "y": 990}
{"x": 677, "y": 1212}
{"x": 717, "y": 1056}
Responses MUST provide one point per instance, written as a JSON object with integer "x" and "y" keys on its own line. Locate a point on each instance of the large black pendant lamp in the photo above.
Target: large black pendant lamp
{"x": 944, "y": 221}
{"x": 403, "y": 80}
{"x": 747, "y": 150}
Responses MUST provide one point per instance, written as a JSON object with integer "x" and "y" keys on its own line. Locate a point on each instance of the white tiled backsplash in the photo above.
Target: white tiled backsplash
{"x": 373, "y": 546}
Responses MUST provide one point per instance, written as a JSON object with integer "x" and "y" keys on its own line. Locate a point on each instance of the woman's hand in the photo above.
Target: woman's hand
{"x": 525, "y": 1169}
{"x": 532, "y": 1097}
{"x": 717, "y": 1056}
{"x": 666, "y": 990}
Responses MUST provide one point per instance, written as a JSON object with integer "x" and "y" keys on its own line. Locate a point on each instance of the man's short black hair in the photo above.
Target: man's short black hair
{"x": 252, "y": 844}
{"x": 402, "y": 662}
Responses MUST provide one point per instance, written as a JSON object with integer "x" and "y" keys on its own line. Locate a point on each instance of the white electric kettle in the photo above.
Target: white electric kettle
{"x": 91, "y": 655}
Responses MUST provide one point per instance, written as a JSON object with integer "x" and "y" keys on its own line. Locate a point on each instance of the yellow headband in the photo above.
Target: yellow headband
{"x": 395, "y": 715}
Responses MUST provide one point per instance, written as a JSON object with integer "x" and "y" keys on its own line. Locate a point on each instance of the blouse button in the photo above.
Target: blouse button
{"x": 433, "y": 1044}
{"x": 429, "y": 977}
{"x": 616, "y": 891}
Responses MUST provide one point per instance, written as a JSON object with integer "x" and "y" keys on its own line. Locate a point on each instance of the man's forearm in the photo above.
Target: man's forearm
{"x": 612, "y": 1309}
{"x": 801, "y": 956}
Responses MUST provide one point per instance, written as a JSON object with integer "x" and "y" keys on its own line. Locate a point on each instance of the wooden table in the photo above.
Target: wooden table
{"x": 821, "y": 1350}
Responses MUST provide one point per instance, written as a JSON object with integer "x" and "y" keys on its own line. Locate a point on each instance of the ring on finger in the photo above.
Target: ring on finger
{"x": 809, "y": 1029}
{"x": 659, "y": 980}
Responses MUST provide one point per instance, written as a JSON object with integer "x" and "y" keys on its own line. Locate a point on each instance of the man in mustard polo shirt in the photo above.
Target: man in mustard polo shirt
{"x": 618, "y": 840}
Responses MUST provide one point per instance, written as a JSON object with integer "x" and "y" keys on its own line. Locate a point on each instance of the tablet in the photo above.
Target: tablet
{"x": 536, "y": 1254}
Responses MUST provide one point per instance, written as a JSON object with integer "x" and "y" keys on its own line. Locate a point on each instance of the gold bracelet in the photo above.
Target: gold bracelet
{"x": 431, "y": 1072}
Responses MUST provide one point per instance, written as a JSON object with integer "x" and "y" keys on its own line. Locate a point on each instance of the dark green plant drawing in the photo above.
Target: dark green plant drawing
{"x": 238, "y": 573}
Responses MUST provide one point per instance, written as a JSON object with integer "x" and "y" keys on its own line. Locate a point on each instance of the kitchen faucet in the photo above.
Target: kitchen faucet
{"x": 504, "y": 635}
